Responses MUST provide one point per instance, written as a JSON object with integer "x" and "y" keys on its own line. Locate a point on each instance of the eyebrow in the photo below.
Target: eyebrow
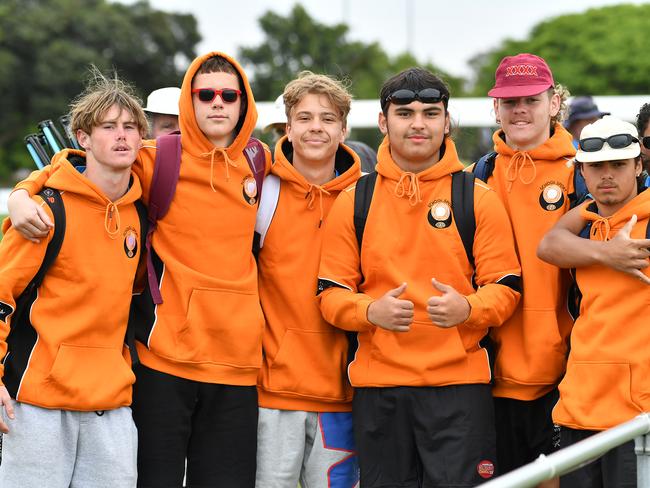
{"x": 114, "y": 121}
{"x": 307, "y": 112}
{"x": 431, "y": 108}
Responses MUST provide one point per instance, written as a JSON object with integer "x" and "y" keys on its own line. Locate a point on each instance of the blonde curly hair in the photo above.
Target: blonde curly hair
{"x": 563, "y": 92}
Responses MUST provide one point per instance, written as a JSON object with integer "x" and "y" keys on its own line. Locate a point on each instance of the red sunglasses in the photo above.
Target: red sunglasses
{"x": 228, "y": 95}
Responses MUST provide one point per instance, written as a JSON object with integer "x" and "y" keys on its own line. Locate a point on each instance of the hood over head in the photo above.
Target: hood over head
{"x": 193, "y": 138}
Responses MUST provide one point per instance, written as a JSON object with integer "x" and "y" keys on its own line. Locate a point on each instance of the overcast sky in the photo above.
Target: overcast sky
{"x": 447, "y": 33}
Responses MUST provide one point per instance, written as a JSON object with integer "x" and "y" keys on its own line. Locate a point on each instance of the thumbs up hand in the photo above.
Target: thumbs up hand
{"x": 390, "y": 312}
{"x": 449, "y": 309}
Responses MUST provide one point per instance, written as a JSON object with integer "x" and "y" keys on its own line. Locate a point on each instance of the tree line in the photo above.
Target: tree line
{"x": 47, "y": 45}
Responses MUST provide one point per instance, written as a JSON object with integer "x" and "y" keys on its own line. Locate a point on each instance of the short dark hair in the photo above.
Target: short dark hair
{"x": 415, "y": 79}
{"x": 642, "y": 118}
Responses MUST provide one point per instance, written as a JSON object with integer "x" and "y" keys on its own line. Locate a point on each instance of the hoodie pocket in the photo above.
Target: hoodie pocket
{"x": 222, "y": 327}
{"x": 311, "y": 363}
{"x": 597, "y": 394}
{"x": 91, "y": 378}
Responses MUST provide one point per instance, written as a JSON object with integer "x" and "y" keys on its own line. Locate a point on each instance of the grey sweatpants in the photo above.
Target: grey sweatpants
{"x": 65, "y": 449}
{"x": 314, "y": 448}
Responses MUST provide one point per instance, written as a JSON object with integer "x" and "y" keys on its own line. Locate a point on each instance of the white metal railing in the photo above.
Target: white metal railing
{"x": 577, "y": 455}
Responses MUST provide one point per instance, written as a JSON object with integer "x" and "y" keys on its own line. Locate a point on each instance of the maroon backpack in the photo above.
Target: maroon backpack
{"x": 163, "y": 187}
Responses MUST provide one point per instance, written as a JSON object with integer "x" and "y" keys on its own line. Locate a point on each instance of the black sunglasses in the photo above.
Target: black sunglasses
{"x": 228, "y": 95}
{"x": 404, "y": 96}
{"x": 646, "y": 142}
{"x": 617, "y": 141}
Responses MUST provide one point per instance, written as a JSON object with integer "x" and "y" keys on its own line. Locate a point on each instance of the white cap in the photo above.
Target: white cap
{"x": 164, "y": 101}
{"x": 277, "y": 115}
{"x": 604, "y": 128}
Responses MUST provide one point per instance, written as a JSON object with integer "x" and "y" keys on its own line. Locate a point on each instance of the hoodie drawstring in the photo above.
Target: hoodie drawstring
{"x": 601, "y": 228}
{"x": 410, "y": 188}
{"x": 311, "y": 196}
{"x": 227, "y": 161}
{"x": 518, "y": 162}
{"x": 111, "y": 209}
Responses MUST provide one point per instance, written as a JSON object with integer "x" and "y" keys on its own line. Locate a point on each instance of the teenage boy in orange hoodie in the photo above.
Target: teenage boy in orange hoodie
{"x": 534, "y": 181}
{"x": 305, "y": 398}
{"x": 201, "y": 349}
{"x": 66, "y": 372}
{"x": 607, "y": 381}
{"x": 562, "y": 246}
{"x": 422, "y": 406}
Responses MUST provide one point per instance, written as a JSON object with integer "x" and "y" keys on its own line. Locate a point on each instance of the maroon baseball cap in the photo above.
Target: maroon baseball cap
{"x": 522, "y": 75}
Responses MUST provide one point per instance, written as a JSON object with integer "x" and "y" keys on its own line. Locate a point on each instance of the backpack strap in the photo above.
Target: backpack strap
{"x": 462, "y": 204}
{"x": 362, "y": 199}
{"x": 266, "y": 210}
{"x": 163, "y": 187}
{"x": 52, "y": 198}
{"x": 580, "y": 191}
{"x": 256, "y": 158}
{"x": 484, "y": 167}
{"x": 130, "y": 328}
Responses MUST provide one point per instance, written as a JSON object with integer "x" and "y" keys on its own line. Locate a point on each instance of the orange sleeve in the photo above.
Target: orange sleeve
{"x": 20, "y": 260}
{"x": 36, "y": 180}
{"x": 339, "y": 274}
{"x": 498, "y": 273}
{"x": 143, "y": 167}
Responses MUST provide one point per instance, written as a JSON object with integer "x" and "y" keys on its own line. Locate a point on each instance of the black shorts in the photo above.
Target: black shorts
{"x": 616, "y": 468}
{"x": 212, "y": 427}
{"x": 525, "y": 430}
{"x": 424, "y": 436}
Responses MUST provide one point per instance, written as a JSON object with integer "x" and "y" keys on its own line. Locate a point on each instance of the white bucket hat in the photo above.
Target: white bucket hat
{"x": 164, "y": 101}
{"x": 277, "y": 115}
{"x": 604, "y": 129}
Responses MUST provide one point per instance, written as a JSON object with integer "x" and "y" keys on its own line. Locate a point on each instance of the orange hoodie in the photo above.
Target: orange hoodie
{"x": 78, "y": 360}
{"x": 305, "y": 358}
{"x": 608, "y": 374}
{"x": 531, "y": 346}
{"x": 209, "y": 326}
{"x": 402, "y": 244}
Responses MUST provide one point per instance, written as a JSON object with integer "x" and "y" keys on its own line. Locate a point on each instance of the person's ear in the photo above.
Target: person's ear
{"x": 383, "y": 123}
{"x": 83, "y": 139}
